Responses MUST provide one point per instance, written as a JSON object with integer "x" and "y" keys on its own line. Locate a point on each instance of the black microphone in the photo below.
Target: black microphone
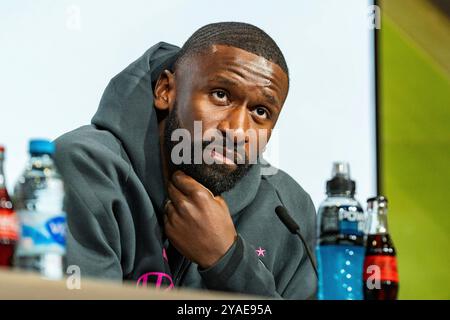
{"x": 293, "y": 227}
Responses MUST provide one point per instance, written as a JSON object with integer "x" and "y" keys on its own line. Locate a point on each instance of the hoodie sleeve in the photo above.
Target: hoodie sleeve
{"x": 93, "y": 203}
{"x": 240, "y": 270}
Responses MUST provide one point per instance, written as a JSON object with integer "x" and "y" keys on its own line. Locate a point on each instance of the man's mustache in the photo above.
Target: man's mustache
{"x": 226, "y": 149}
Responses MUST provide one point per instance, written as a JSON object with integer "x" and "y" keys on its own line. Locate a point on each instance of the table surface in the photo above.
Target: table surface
{"x": 23, "y": 285}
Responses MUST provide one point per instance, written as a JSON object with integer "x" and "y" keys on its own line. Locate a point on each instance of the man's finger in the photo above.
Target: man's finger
{"x": 166, "y": 203}
{"x": 188, "y": 185}
{"x": 178, "y": 199}
{"x": 170, "y": 213}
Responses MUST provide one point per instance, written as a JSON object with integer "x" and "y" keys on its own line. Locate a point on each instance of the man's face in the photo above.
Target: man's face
{"x": 228, "y": 90}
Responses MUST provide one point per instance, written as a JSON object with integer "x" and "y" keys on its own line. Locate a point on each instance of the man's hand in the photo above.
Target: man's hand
{"x": 198, "y": 224}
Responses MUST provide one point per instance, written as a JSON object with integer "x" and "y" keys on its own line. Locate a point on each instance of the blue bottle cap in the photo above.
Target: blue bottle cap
{"x": 41, "y": 146}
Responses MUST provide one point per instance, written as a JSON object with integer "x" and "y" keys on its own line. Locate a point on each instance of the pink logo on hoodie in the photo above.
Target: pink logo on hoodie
{"x": 160, "y": 277}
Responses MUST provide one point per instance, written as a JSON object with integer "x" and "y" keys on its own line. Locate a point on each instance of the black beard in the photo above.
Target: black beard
{"x": 218, "y": 178}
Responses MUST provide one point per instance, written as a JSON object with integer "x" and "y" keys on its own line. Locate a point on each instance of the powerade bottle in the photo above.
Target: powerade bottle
{"x": 340, "y": 247}
{"x": 38, "y": 200}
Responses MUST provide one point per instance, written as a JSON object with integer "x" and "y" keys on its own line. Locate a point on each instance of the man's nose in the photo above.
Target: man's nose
{"x": 237, "y": 122}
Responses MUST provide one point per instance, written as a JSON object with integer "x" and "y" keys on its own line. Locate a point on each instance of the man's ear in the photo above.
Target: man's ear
{"x": 164, "y": 93}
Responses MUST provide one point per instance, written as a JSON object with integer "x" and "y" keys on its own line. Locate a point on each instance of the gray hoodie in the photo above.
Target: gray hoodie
{"x": 115, "y": 195}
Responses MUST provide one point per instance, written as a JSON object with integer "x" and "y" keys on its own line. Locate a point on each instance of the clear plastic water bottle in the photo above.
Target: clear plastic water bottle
{"x": 340, "y": 247}
{"x": 38, "y": 198}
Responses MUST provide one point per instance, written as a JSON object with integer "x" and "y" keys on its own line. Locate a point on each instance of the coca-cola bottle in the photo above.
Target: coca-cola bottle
{"x": 9, "y": 224}
{"x": 380, "y": 264}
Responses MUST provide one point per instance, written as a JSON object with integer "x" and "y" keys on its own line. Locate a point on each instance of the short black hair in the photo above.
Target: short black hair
{"x": 236, "y": 34}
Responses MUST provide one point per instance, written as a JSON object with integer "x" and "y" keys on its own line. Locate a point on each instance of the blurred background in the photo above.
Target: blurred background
{"x": 414, "y": 78}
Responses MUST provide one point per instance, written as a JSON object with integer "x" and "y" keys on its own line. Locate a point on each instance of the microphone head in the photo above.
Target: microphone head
{"x": 287, "y": 220}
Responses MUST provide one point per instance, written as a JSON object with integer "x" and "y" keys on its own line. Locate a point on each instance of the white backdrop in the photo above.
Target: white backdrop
{"x": 56, "y": 57}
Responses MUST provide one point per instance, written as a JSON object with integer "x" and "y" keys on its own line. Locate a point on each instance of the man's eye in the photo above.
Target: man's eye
{"x": 261, "y": 112}
{"x": 220, "y": 95}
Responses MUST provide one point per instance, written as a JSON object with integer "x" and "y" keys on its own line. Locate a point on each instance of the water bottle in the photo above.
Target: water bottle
{"x": 38, "y": 198}
{"x": 340, "y": 246}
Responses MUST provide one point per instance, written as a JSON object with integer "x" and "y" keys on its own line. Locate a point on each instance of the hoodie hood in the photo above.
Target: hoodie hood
{"x": 127, "y": 111}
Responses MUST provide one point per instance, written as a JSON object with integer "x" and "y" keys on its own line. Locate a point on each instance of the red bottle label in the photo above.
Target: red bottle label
{"x": 383, "y": 268}
{"x": 9, "y": 225}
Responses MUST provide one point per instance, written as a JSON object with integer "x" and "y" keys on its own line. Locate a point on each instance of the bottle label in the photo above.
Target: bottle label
{"x": 382, "y": 268}
{"x": 351, "y": 220}
{"x": 41, "y": 233}
{"x": 9, "y": 225}
{"x": 43, "y": 229}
